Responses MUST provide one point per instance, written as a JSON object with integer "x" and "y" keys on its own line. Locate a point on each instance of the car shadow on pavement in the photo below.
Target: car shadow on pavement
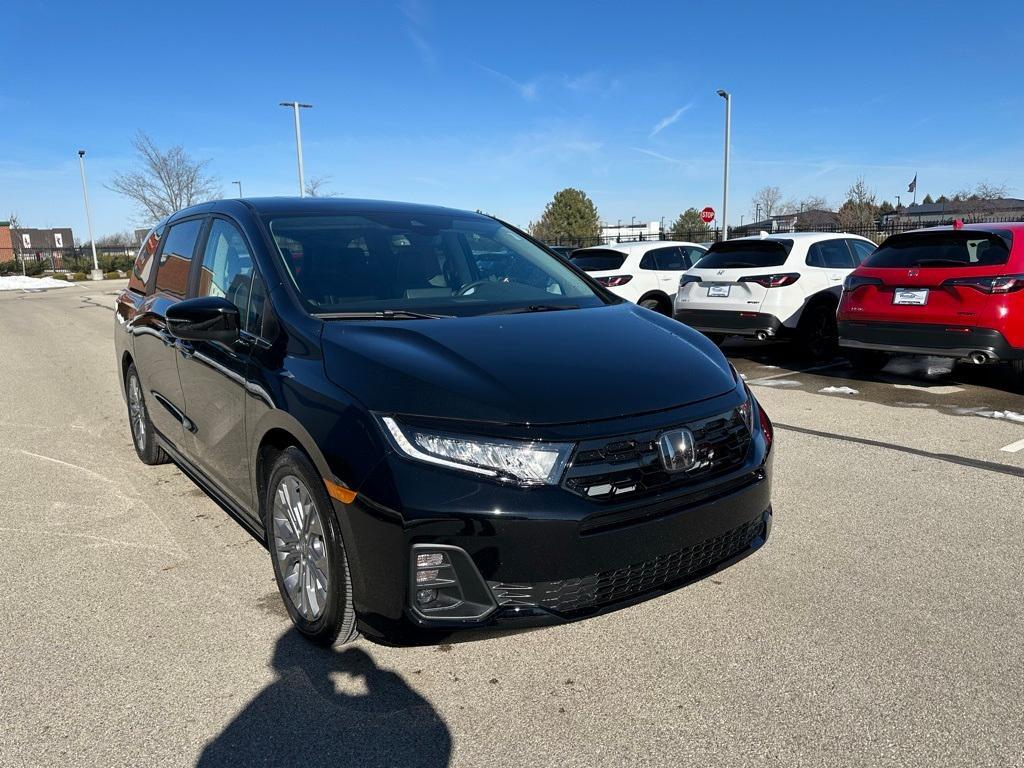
{"x": 331, "y": 707}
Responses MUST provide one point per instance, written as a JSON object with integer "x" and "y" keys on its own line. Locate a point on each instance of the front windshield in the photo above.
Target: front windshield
{"x": 422, "y": 263}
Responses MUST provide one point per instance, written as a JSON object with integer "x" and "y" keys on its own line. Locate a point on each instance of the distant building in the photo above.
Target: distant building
{"x": 801, "y": 221}
{"x": 33, "y": 242}
{"x": 931, "y": 214}
{"x": 624, "y": 233}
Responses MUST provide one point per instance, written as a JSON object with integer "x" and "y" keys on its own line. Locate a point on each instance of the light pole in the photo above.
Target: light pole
{"x": 725, "y": 176}
{"x": 296, "y": 106}
{"x": 239, "y": 187}
{"x": 96, "y": 274}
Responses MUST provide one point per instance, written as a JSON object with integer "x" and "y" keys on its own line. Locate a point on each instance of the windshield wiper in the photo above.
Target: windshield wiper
{"x": 384, "y": 314}
{"x": 533, "y": 308}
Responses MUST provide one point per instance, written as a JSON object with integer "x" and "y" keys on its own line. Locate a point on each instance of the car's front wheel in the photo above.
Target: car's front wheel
{"x": 143, "y": 434}
{"x": 308, "y": 554}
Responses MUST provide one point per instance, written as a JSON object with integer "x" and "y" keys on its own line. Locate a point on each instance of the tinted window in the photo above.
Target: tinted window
{"x": 693, "y": 254}
{"x": 671, "y": 259}
{"x": 138, "y": 281}
{"x": 176, "y": 257}
{"x": 431, "y": 263}
{"x": 598, "y": 259}
{"x": 861, "y": 249}
{"x": 830, "y": 254}
{"x": 227, "y": 265}
{"x": 649, "y": 260}
{"x": 746, "y": 254}
{"x": 948, "y": 248}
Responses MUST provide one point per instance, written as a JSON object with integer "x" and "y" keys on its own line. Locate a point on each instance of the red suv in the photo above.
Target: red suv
{"x": 947, "y": 291}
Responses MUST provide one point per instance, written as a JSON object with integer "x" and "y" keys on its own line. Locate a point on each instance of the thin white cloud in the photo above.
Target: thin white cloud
{"x": 527, "y": 90}
{"x": 665, "y": 122}
{"x": 415, "y": 23}
{"x": 659, "y": 156}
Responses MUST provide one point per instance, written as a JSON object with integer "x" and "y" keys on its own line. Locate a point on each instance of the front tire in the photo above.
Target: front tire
{"x": 143, "y": 434}
{"x": 310, "y": 564}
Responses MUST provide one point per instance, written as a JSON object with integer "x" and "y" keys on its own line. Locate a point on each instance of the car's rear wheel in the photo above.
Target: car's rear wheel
{"x": 1017, "y": 372}
{"x": 867, "y": 360}
{"x": 143, "y": 434}
{"x": 656, "y": 304}
{"x": 817, "y": 332}
{"x": 310, "y": 564}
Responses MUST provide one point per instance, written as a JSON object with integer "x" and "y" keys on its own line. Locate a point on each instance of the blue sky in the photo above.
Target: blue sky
{"x": 497, "y": 106}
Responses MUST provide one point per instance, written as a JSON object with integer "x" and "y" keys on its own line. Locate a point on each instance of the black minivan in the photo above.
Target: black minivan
{"x": 431, "y": 422}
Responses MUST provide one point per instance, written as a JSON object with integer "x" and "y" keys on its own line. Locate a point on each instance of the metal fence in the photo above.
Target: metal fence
{"x": 876, "y": 231}
{"x": 69, "y": 260}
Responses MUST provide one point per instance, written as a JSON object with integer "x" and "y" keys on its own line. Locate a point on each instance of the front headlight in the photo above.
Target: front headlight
{"x": 520, "y": 461}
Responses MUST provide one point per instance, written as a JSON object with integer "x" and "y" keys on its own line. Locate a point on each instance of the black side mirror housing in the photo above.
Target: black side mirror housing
{"x": 207, "y": 318}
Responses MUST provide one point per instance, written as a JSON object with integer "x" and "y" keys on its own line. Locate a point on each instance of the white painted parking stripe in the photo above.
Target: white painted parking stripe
{"x": 784, "y": 374}
{"x": 1013, "y": 447}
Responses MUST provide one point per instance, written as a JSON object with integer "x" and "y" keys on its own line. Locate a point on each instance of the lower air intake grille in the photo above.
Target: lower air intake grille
{"x": 599, "y": 589}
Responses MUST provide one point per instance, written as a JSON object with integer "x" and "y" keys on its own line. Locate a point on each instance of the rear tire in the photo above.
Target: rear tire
{"x": 867, "y": 360}
{"x": 817, "y": 334}
{"x": 1017, "y": 374}
{"x": 307, "y": 551}
{"x": 656, "y": 305}
{"x": 143, "y": 435}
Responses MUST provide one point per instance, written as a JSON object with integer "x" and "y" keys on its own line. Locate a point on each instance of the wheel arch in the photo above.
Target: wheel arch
{"x": 661, "y": 297}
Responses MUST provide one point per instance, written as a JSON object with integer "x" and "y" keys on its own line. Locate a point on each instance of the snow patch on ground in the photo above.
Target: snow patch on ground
{"x": 775, "y": 383}
{"x": 21, "y": 283}
{"x": 990, "y": 414}
{"x": 839, "y": 391}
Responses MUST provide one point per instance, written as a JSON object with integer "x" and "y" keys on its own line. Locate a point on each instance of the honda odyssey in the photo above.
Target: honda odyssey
{"x": 431, "y": 422}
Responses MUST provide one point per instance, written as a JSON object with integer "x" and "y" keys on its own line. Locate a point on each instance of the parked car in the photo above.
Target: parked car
{"x": 646, "y": 273}
{"x": 432, "y": 423}
{"x": 947, "y": 291}
{"x": 772, "y": 286}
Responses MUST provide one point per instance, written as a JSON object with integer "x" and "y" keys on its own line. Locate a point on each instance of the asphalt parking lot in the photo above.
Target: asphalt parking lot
{"x": 880, "y": 625}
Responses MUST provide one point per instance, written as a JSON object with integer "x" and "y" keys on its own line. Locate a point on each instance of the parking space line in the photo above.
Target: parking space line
{"x": 1013, "y": 447}
{"x": 825, "y": 367}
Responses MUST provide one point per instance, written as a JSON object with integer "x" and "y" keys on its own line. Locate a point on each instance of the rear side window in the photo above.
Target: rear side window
{"x": 671, "y": 259}
{"x": 861, "y": 249}
{"x": 138, "y": 281}
{"x": 598, "y": 260}
{"x": 747, "y": 254}
{"x": 176, "y": 257}
{"x": 947, "y": 248}
{"x": 693, "y": 254}
{"x": 830, "y": 254}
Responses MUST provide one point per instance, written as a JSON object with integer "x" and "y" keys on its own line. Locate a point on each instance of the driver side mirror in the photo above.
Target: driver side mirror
{"x": 207, "y": 318}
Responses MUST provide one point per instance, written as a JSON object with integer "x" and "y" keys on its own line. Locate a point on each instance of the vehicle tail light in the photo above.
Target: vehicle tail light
{"x": 853, "y": 282}
{"x": 614, "y": 281}
{"x": 687, "y": 279}
{"x": 999, "y": 284}
{"x": 772, "y": 281}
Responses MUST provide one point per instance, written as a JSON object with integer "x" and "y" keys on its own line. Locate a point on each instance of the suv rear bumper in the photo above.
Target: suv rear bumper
{"x": 731, "y": 322}
{"x": 927, "y": 339}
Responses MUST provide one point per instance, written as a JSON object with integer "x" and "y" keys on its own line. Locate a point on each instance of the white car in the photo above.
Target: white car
{"x": 647, "y": 273}
{"x": 772, "y": 286}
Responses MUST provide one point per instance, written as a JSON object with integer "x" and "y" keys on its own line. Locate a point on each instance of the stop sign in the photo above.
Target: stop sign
{"x": 707, "y": 215}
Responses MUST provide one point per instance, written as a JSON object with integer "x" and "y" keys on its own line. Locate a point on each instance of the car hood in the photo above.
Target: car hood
{"x": 533, "y": 368}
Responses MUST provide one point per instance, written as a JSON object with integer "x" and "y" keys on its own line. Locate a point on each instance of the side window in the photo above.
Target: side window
{"x": 861, "y": 249}
{"x": 227, "y": 266}
{"x": 693, "y": 254}
{"x": 830, "y": 254}
{"x": 138, "y": 281}
{"x": 172, "y": 276}
{"x": 649, "y": 260}
{"x": 671, "y": 259}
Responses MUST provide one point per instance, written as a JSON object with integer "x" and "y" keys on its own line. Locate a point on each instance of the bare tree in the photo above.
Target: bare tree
{"x": 317, "y": 187}
{"x": 860, "y": 209}
{"x": 14, "y": 225}
{"x": 809, "y": 203}
{"x": 768, "y": 199}
{"x": 167, "y": 181}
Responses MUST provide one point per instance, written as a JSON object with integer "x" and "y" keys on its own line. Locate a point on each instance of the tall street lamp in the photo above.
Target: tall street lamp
{"x": 725, "y": 175}
{"x": 96, "y": 274}
{"x": 296, "y": 106}
{"x": 239, "y": 187}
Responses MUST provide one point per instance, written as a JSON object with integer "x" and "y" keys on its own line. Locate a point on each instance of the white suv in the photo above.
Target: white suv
{"x": 772, "y": 286}
{"x": 646, "y": 273}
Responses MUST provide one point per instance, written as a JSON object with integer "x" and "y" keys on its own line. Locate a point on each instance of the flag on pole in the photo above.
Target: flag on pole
{"x": 913, "y": 185}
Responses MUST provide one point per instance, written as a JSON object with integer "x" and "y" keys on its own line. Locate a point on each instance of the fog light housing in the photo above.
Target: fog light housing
{"x": 445, "y": 586}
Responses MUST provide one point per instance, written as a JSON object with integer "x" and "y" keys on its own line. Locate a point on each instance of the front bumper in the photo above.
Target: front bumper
{"x": 547, "y": 556}
{"x": 730, "y": 322}
{"x": 927, "y": 339}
